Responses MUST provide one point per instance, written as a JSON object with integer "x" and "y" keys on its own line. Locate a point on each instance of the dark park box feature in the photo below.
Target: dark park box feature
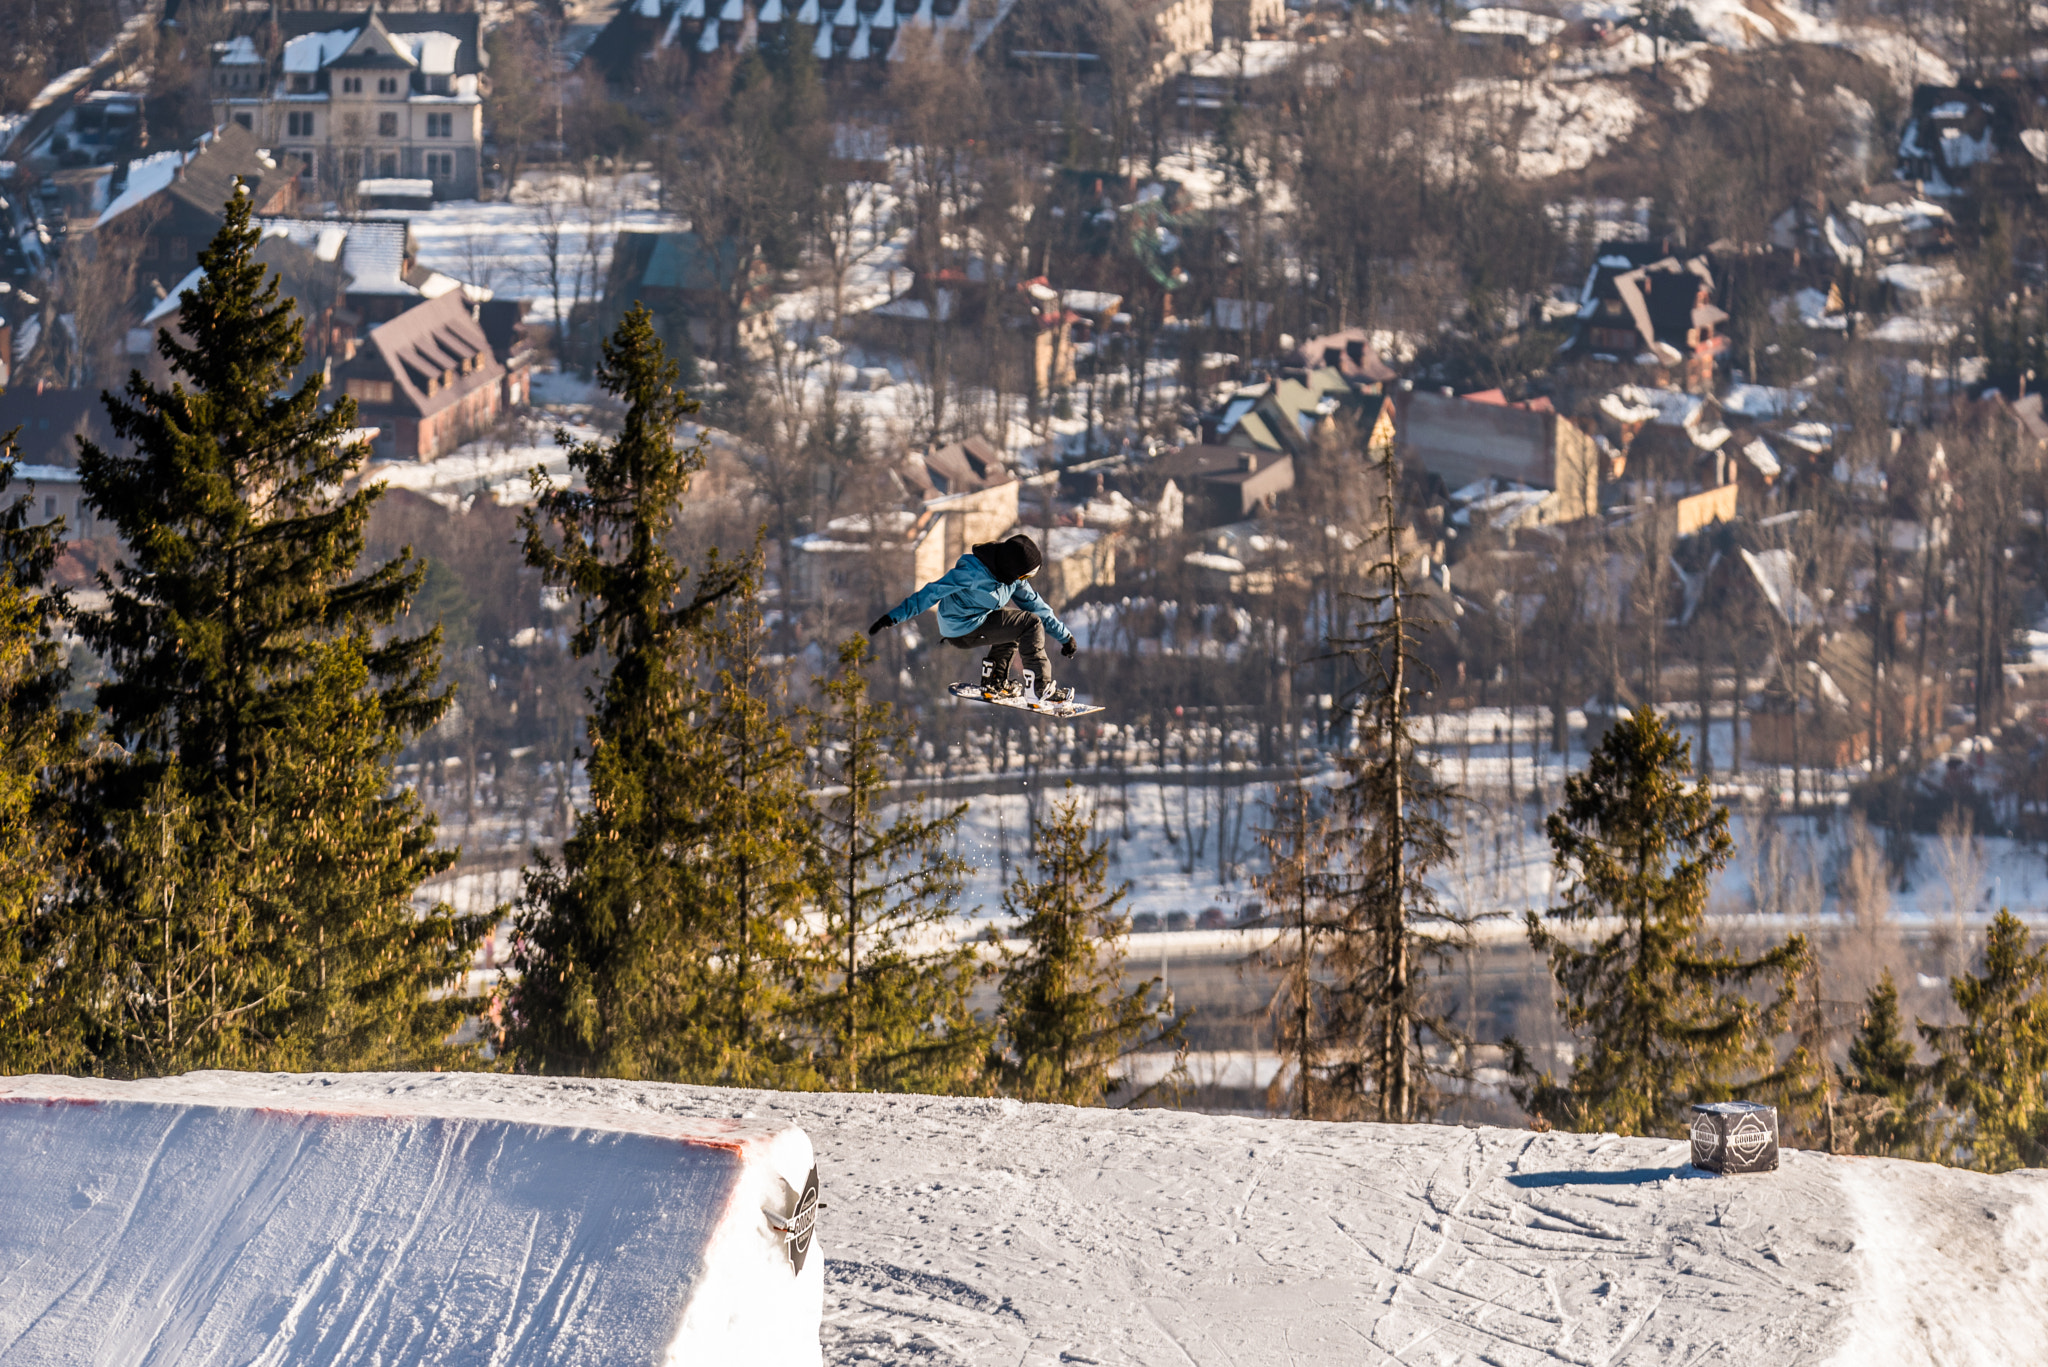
{"x": 1735, "y": 1136}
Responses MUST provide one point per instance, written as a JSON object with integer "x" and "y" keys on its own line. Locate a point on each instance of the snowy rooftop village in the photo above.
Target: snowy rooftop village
{"x": 1023, "y": 681}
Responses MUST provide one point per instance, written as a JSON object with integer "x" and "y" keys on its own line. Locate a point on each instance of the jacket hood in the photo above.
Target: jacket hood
{"x": 1010, "y": 560}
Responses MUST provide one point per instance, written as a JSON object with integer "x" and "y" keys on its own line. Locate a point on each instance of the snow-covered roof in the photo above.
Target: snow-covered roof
{"x": 146, "y": 176}
{"x": 1764, "y": 401}
{"x": 1812, "y": 437}
{"x": 1674, "y": 407}
{"x": 1510, "y": 23}
{"x": 434, "y": 53}
{"x": 239, "y": 50}
{"x": 45, "y": 474}
{"x": 1912, "y": 213}
{"x": 171, "y": 302}
{"x": 371, "y": 251}
{"x": 1775, "y": 572}
{"x": 1624, "y": 410}
{"x": 1763, "y": 458}
{"x": 309, "y": 52}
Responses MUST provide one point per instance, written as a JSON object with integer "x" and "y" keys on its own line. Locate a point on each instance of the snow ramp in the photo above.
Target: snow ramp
{"x": 397, "y": 1218}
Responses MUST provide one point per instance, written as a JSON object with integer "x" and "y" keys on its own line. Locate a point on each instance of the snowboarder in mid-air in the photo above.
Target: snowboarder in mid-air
{"x": 986, "y": 600}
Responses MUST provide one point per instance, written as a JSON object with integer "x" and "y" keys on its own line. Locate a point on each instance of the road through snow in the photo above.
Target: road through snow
{"x": 963, "y": 1231}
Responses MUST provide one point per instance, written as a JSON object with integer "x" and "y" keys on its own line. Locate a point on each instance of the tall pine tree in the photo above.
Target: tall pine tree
{"x": 759, "y": 871}
{"x": 40, "y": 1030}
{"x": 1394, "y": 928}
{"x": 895, "y": 1016}
{"x": 252, "y": 874}
{"x": 1993, "y": 1066}
{"x": 1659, "y": 1007}
{"x": 612, "y": 961}
{"x": 1066, "y": 1018}
{"x": 1884, "y": 1089}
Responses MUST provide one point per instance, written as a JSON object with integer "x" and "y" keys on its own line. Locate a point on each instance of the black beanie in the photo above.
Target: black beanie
{"x": 1010, "y": 560}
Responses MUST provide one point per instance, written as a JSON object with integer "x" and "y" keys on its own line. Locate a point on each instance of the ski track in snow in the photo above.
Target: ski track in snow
{"x": 991, "y": 1232}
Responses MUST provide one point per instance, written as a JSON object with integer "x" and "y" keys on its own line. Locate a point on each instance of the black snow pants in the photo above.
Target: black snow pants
{"x": 1004, "y": 632}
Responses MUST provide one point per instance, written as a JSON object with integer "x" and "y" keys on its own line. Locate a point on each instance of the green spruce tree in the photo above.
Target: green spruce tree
{"x": 251, "y": 872}
{"x": 1066, "y": 1018}
{"x": 1993, "y": 1066}
{"x": 40, "y": 1028}
{"x": 612, "y": 957}
{"x": 1884, "y": 1089}
{"x": 1659, "y": 1007}
{"x": 759, "y": 873}
{"x": 895, "y": 1016}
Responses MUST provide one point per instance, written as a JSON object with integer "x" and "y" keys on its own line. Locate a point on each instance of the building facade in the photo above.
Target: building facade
{"x": 366, "y": 97}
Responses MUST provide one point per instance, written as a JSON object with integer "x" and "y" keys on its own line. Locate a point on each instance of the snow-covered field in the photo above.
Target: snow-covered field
{"x": 960, "y": 1231}
{"x": 505, "y": 246}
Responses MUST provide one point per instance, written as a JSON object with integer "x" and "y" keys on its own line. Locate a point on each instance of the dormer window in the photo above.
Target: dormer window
{"x": 302, "y": 84}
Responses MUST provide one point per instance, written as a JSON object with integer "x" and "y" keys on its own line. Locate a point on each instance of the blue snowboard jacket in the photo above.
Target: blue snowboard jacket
{"x": 968, "y": 593}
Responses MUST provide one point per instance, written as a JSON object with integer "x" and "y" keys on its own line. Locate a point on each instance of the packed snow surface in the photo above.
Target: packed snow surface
{"x": 393, "y": 1218}
{"x": 976, "y": 1231}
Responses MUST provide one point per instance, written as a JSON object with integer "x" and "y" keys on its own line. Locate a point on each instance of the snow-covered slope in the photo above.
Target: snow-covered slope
{"x": 227, "y": 1218}
{"x": 964, "y": 1231}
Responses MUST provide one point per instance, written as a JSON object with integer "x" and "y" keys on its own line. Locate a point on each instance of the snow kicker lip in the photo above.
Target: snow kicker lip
{"x": 446, "y": 1218}
{"x": 799, "y": 1224}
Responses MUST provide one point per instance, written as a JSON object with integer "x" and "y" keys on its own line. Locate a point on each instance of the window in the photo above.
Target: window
{"x": 441, "y": 165}
{"x": 387, "y": 125}
{"x": 370, "y": 391}
{"x": 307, "y": 166}
{"x": 387, "y": 165}
{"x": 387, "y": 85}
{"x": 351, "y": 85}
{"x": 440, "y": 125}
{"x": 49, "y": 507}
{"x": 351, "y": 125}
{"x": 149, "y": 249}
{"x": 245, "y": 120}
{"x": 299, "y": 125}
{"x": 180, "y": 249}
{"x": 302, "y": 85}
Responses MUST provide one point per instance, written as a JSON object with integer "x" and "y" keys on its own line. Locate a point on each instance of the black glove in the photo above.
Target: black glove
{"x": 881, "y": 625}
{"x": 1068, "y": 647}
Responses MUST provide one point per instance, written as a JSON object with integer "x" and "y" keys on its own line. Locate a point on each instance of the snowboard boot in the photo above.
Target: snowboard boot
{"x": 1049, "y": 693}
{"x": 996, "y": 683}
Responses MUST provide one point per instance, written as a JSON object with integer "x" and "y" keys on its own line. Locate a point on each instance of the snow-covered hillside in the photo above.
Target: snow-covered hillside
{"x": 967, "y": 1231}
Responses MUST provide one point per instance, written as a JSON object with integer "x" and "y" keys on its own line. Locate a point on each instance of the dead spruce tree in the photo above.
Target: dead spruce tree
{"x": 1391, "y": 929}
{"x": 1296, "y": 887}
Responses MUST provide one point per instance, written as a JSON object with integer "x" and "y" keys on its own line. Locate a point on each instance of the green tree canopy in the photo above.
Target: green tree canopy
{"x": 895, "y": 1017}
{"x": 251, "y": 874}
{"x": 1066, "y": 1017}
{"x": 611, "y": 955}
{"x": 1993, "y": 1067}
{"x": 40, "y": 1027}
{"x": 1659, "y": 1007}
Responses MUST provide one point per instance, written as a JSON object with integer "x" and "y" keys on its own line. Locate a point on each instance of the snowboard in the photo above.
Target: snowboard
{"x": 1024, "y": 702}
